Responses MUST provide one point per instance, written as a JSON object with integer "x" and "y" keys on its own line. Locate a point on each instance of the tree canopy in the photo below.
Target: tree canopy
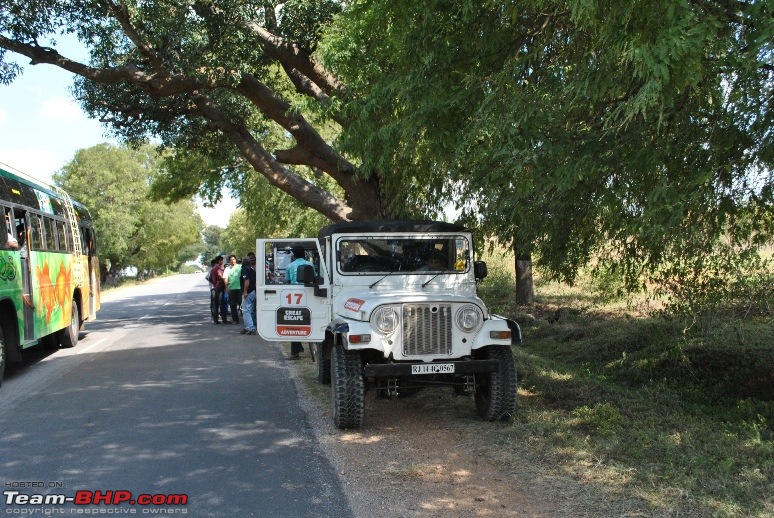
{"x": 630, "y": 133}
{"x": 132, "y": 229}
{"x": 633, "y": 134}
{"x": 219, "y": 82}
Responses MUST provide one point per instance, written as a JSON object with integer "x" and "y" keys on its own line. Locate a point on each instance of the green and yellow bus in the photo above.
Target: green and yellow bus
{"x": 49, "y": 271}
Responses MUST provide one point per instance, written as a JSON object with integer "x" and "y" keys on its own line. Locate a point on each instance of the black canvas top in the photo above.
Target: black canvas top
{"x": 389, "y": 226}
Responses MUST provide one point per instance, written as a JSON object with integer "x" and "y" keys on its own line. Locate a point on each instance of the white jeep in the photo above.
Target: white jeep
{"x": 390, "y": 306}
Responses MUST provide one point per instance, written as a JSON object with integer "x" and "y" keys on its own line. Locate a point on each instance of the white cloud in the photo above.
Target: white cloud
{"x": 62, "y": 109}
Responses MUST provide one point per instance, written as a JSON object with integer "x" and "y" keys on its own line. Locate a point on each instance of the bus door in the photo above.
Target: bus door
{"x": 23, "y": 237}
{"x": 92, "y": 271}
{"x": 289, "y": 312}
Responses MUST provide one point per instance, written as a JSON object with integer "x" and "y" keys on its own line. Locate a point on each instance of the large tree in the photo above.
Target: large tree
{"x": 571, "y": 129}
{"x": 221, "y": 82}
{"x": 629, "y": 135}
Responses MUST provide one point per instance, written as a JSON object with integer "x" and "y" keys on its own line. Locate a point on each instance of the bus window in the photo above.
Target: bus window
{"x": 10, "y": 241}
{"x": 37, "y": 241}
{"x": 51, "y": 239}
{"x": 64, "y": 237}
{"x": 87, "y": 244}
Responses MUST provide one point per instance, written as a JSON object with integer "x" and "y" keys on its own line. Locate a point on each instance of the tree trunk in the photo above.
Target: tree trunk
{"x": 525, "y": 290}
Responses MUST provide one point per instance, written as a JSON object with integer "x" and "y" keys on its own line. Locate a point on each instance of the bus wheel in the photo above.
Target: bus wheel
{"x": 68, "y": 336}
{"x": 2, "y": 356}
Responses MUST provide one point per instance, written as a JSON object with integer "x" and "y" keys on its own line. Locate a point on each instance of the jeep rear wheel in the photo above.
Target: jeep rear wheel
{"x": 347, "y": 388}
{"x": 496, "y": 391}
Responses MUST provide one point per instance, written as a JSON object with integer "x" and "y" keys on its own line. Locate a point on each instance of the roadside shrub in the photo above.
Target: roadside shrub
{"x": 188, "y": 268}
{"x": 727, "y": 283}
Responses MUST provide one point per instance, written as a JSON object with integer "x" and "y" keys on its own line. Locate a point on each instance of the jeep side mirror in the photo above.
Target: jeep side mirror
{"x": 480, "y": 270}
{"x": 305, "y": 275}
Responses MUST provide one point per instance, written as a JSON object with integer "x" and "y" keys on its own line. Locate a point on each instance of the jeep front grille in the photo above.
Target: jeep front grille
{"x": 427, "y": 329}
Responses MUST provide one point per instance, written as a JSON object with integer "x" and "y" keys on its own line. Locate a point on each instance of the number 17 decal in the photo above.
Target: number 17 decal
{"x": 293, "y": 298}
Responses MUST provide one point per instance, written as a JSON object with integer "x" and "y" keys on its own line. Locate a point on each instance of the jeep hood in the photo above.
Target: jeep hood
{"x": 359, "y": 305}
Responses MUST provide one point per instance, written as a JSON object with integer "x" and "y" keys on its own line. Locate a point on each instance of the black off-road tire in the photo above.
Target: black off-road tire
{"x": 323, "y": 365}
{"x": 496, "y": 391}
{"x": 347, "y": 388}
{"x": 68, "y": 336}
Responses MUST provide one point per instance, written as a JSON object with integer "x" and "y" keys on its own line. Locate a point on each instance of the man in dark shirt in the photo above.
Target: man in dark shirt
{"x": 248, "y": 296}
{"x": 218, "y": 290}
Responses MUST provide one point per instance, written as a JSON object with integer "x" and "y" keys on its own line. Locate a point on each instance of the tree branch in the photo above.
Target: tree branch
{"x": 320, "y": 154}
{"x": 152, "y": 84}
{"x": 121, "y": 13}
{"x": 295, "y": 57}
{"x": 297, "y": 187}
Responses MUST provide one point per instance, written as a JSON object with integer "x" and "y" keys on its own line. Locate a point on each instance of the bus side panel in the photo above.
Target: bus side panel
{"x": 11, "y": 284}
{"x": 86, "y": 307}
{"x": 94, "y": 287}
{"x": 90, "y": 292}
{"x": 52, "y": 291}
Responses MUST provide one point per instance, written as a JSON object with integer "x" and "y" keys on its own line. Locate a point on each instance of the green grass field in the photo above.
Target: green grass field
{"x": 678, "y": 412}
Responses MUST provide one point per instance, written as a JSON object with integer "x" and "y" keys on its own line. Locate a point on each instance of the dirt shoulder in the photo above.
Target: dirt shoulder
{"x": 430, "y": 456}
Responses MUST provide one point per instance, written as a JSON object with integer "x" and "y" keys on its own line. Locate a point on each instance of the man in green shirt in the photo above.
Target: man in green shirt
{"x": 234, "y": 288}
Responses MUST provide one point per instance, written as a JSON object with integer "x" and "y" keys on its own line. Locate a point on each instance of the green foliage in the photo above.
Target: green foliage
{"x": 188, "y": 269}
{"x": 212, "y": 235}
{"x": 630, "y": 134}
{"x": 132, "y": 230}
{"x": 738, "y": 284}
{"x": 625, "y": 137}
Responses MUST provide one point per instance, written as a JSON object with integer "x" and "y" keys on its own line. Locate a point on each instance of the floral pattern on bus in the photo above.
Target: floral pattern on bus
{"x": 52, "y": 289}
{"x": 8, "y": 267}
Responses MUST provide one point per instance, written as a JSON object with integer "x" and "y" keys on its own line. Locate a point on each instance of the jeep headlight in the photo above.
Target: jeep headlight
{"x": 468, "y": 318}
{"x": 385, "y": 320}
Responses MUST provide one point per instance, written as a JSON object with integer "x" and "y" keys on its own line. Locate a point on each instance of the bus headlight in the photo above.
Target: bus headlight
{"x": 468, "y": 318}
{"x": 385, "y": 320}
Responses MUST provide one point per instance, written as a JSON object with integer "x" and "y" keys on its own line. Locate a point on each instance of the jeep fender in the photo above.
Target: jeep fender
{"x": 513, "y": 326}
{"x": 339, "y": 330}
{"x": 483, "y": 337}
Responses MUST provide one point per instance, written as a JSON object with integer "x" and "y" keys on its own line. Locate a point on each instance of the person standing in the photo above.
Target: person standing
{"x": 218, "y": 289}
{"x": 291, "y": 273}
{"x": 233, "y": 281}
{"x": 248, "y": 296}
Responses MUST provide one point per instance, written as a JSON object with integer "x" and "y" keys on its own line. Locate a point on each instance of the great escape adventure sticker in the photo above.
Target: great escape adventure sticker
{"x": 294, "y": 321}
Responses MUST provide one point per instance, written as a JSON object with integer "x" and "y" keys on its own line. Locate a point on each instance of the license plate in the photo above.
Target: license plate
{"x": 433, "y": 368}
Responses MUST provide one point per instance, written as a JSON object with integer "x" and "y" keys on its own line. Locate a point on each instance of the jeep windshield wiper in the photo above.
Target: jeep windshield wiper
{"x": 431, "y": 279}
{"x": 381, "y": 279}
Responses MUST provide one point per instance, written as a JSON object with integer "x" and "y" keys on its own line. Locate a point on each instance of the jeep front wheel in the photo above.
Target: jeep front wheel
{"x": 496, "y": 390}
{"x": 347, "y": 388}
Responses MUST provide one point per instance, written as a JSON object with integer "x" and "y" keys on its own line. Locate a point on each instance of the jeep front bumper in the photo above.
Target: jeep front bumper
{"x": 394, "y": 370}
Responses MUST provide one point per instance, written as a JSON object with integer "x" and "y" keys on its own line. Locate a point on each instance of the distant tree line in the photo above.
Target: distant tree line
{"x": 133, "y": 230}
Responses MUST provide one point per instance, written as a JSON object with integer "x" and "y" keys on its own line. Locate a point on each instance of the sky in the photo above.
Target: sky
{"x": 42, "y": 127}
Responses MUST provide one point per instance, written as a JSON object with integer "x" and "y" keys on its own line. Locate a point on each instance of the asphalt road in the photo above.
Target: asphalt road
{"x": 157, "y": 400}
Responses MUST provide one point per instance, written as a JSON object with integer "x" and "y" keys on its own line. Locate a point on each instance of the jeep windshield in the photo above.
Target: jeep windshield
{"x": 404, "y": 255}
